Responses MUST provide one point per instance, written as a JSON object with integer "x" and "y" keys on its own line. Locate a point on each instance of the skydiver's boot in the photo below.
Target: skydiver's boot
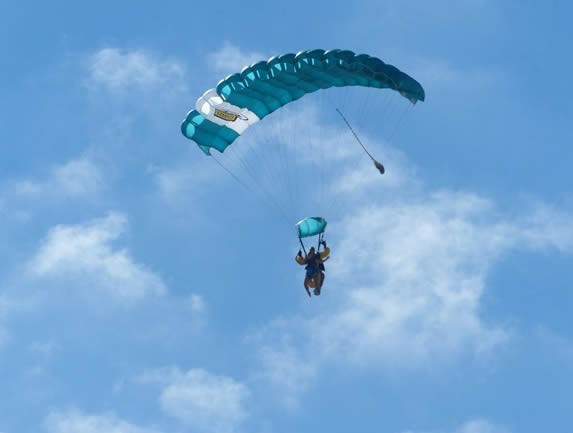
{"x": 319, "y": 286}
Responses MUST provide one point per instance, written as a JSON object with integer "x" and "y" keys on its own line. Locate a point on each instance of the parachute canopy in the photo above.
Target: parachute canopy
{"x": 242, "y": 99}
{"x": 310, "y": 227}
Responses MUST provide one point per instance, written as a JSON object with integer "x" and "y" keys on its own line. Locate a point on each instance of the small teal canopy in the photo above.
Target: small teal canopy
{"x": 310, "y": 227}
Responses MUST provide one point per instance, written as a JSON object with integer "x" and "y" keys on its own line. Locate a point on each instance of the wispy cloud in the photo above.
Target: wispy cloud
{"x": 413, "y": 274}
{"x": 196, "y": 303}
{"x": 74, "y": 421}
{"x": 79, "y": 179}
{"x": 476, "y": 425}
{"x": 481, "y": 426}
{"x": 118, "y": 71}
{"x": 201, "y": 400}
{"x": 287, "y": 370}
{"x": 84, "y": 254}
{"x": 231, "y": 58}
{"x": 181, "y": 184}
{"x": 423, "y": 284}
{"x": 445, "y": 80}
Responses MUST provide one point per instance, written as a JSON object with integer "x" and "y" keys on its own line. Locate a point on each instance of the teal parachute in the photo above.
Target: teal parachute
{"x": 296, "y": 167}
{"x": 312, "y": 226}
{"x": 222, "y": 114}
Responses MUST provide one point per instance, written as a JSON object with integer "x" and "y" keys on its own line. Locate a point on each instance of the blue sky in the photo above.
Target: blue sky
{"x": 143, "y": 290}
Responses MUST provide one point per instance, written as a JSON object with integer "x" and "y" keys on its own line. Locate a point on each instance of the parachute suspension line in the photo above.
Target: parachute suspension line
{"x": 363, "y": 109}
{"x": 279, "y": 208}
{"x": 322, "y": 137}
{"x": 284, "y": 159}
{"x": 302, "y": 245}
{"x": 287, "y": 156}
{"x": 274, "y": 165}
{"x": 406, "y": 110}
{"x": 241, "y": 155}
{"x": 248, "y": 169}
{"x": 232, "y": 174}
{"x": 256, "y": 182}
{"x": 379, "y": 166}
{"x": 258, "y": 154}
{"x": 270, "y": 168}
{"x": 243, "y": 159}
{"x": 385, "y": 110}
{"x": 320, "y": 237}
{"x": 234, "y": 154}
{"x": 315, "y": 140}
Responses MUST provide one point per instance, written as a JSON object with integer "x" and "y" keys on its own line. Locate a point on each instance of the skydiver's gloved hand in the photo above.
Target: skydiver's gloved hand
{"x": 299, "y": 253}
{"x": 323, "y": 243}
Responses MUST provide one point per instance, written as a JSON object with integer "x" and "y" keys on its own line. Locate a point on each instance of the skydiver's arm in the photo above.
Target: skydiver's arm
{"x": 299, "y": 259}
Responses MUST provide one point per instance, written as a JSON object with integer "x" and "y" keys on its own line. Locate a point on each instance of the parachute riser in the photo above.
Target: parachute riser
{"x": 320, "y": 239}
{"x": 302, "y": 245}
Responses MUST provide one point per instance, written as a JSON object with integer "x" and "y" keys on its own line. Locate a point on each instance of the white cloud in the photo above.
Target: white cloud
{"x": 79, "y": 178}
{"x": 118, "y": 71}
{"x": 73, "y": 421}
{"x": 477, "y": 425}
{"x": 203, "y": 401}
{"x": 360, "y": 179}
{"x": 196, "y": 303}
{"x": 481, "y": 426}
{"x": 409, "y": 278}
{"x": 199, "y": 399}
{"x": 288, "y": 373}
{"x": 230, "y": 59}
{"x": 418, "y": 271}
{"x": 84, "y": 254}
{"x": 442, "y": 78}
{"x": 182, "y": 184}
{"x": 548, "y": 227}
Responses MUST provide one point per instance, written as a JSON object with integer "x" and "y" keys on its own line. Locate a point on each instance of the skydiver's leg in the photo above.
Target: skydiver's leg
{"x": 317, "y": 281}
{"x": 306, "y": 281}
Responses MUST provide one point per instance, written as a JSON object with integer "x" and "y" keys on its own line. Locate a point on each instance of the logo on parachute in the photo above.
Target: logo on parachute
{"x": 229, "y": 115}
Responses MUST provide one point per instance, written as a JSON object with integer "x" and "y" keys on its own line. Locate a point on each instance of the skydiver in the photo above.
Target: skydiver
{"x": 314, "y": 262}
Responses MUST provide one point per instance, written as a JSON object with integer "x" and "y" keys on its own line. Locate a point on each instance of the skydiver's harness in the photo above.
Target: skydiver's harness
{"x": 313, "y": 267}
